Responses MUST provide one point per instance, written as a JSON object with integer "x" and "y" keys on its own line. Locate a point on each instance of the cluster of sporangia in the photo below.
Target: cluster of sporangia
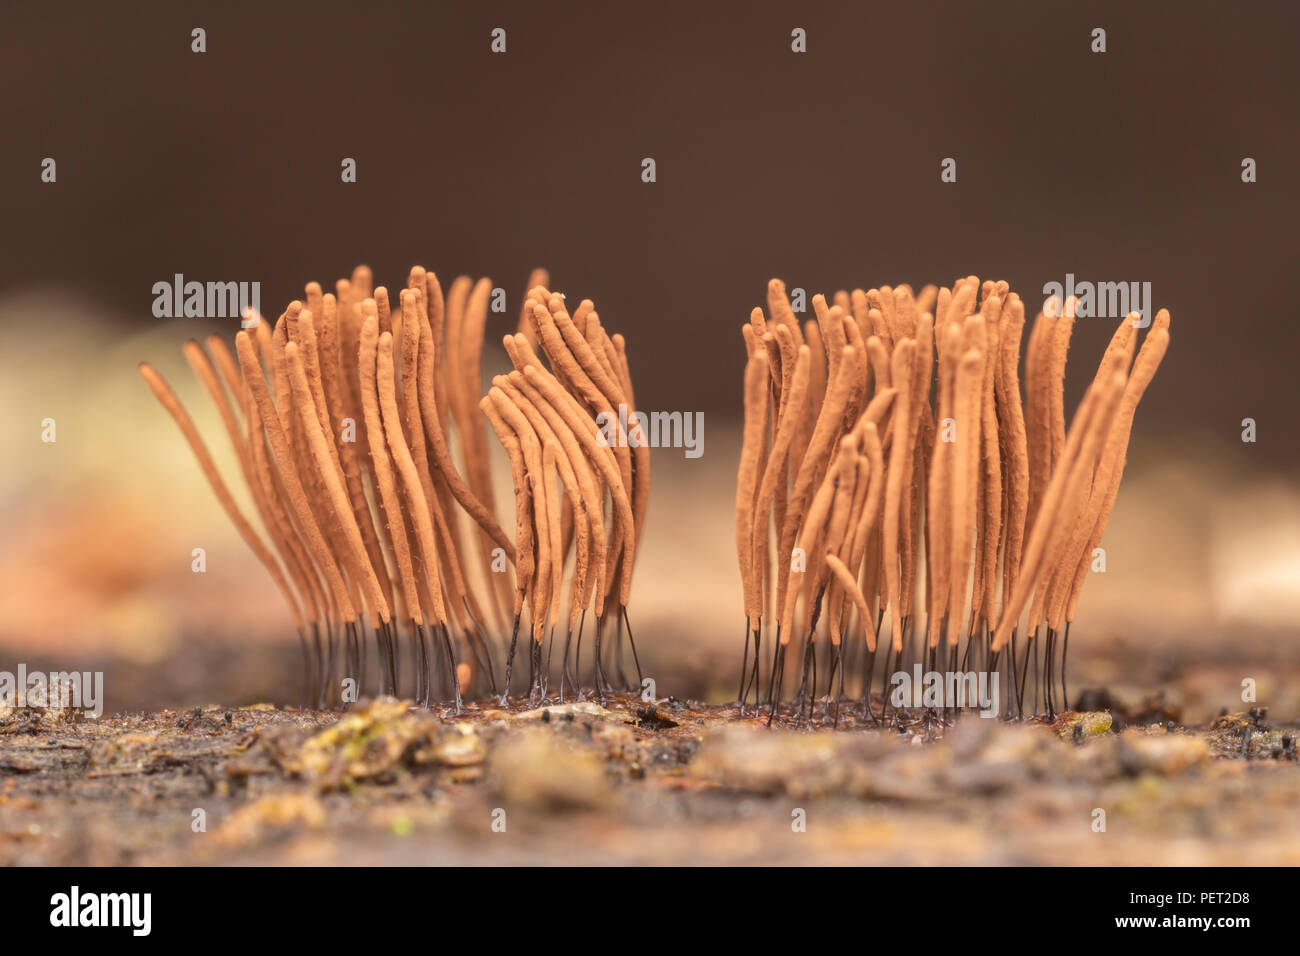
{"x": 891, "y": 466}
{"x": 890, "y": 463}
{"x": 346, "y": 419}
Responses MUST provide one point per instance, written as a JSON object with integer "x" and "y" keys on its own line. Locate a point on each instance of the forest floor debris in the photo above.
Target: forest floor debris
{"x": 629, "y": 781}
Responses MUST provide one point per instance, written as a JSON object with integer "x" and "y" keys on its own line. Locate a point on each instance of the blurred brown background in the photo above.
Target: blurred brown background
{"x": 821, "y": 168}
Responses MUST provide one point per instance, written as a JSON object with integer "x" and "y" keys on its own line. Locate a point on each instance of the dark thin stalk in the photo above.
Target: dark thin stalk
{"x": 510, "y": 658}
